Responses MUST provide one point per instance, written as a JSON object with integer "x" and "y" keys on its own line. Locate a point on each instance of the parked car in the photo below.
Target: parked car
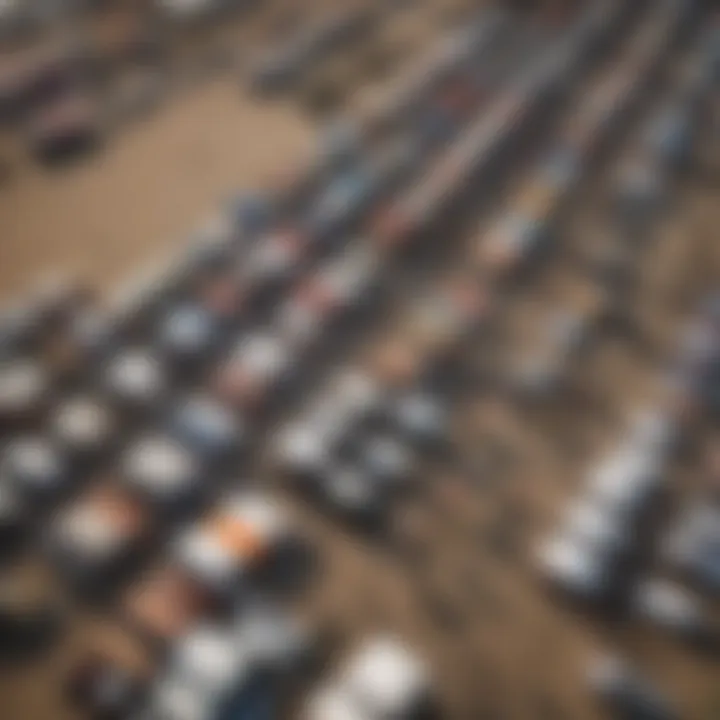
{"x": 84, "y": 426}
{"x": 672, "y": 607}
{"x": 107, "y": 686}
{"x": 226, "y": 549}
{"x": 257, "y": 367}
{"x": 383, "y": 679}
{"x": 66, "y": 126}
{"x": 208, "y": 428}
{"x": 692, "y": 544}
{"x": 136, "y": 380}
{"x": 628, "y": 693}
{"x": 165, "y": 472}
{"x": 36, "y": 469}
{"x": 99, "y": 537}
{"x": 25, "y": 385}
{"x": 164, "y": 604}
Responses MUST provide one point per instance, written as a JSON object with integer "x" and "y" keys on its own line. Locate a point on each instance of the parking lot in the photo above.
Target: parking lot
{"x": 460, "y": 251}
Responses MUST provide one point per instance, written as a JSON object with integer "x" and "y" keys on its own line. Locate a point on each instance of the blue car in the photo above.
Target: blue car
{"x": 208, "y": 427}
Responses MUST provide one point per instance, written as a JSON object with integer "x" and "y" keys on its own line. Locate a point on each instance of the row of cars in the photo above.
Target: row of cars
{"x": 520, "y": 235}
{"x": 53, "y": 88}
{"x": 630, "y": 475}
{"x": 475, "y": 151}
{"x": 643, "y": 179}
{"x": 166, "y": 466}
{"x": 189, "y": 309}
{"x": 394, "y": 389}
{"x": 139, "y": 485}
{"x": 624, "y": 483}
{"x": 85, "y": 65}
{"x": 395, "y": 113}
{"x": 627, "y": 478}
{"x": 607, "y": 535}
{"x": 308, "y": 315}
{"x": 47, "y": 90}
{"x": 355, "y": 405}
{"x": 18, "y": 19}
{"x": 308, "y": 447}
{"x": 273, "y": 265}
{"x": 281, "y": 68}
{"x": 355, "y": 446}
{"x": 208, "y": 561}
{"x": 664, "y": 144}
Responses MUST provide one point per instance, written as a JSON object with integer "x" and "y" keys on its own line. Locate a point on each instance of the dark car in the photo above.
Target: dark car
{"x": 99, "y": 537}
{"x": 66, "y": 127}
{"x": 209, "y": 428}
{"x": 187, "y": 334}
{"x": 36, "y": 468}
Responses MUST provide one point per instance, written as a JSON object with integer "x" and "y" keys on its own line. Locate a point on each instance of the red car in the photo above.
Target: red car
{"x": 256, "y": 367}
{"x": 164, "y": 604}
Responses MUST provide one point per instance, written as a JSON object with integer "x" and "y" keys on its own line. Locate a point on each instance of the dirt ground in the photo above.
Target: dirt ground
{"x": 145, "y": 191}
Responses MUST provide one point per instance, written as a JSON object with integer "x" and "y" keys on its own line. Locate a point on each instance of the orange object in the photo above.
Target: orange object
{"x": 235, "y": 536}
{"x": 121, "y": 509}
{"x": 165, "y": 604}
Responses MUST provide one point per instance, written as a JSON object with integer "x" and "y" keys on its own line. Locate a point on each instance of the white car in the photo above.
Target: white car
{"x": 669, "y": 606}
{"x": 302, "y": 450}
{"x": 97, "y": 534}
{"x": 626, "y": 480}
{"x": 136, "y": 377}
{"x": 385, "y": 680}
{"x": 83, "y": 425}
{"x": 575, "y": 567}
{"x": 387, "y": 461}
{"x": 208, "y": 658}
{"x": 350, "y": 398}
{"x": 331, "y": 703}
{"x": 352, "y": 492}
{"x": 336, "y": 288}
{"x": 174, "y": 699}
{"x": 587, "y": 522}
{"x": 273, "y": 637}
{"x": 272, "y": 261}
{"x": 162, "y": 469}
{"x": 421, "y": 417}
{"x": 256, "y": 366}
{"x": 237, "y": 537}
